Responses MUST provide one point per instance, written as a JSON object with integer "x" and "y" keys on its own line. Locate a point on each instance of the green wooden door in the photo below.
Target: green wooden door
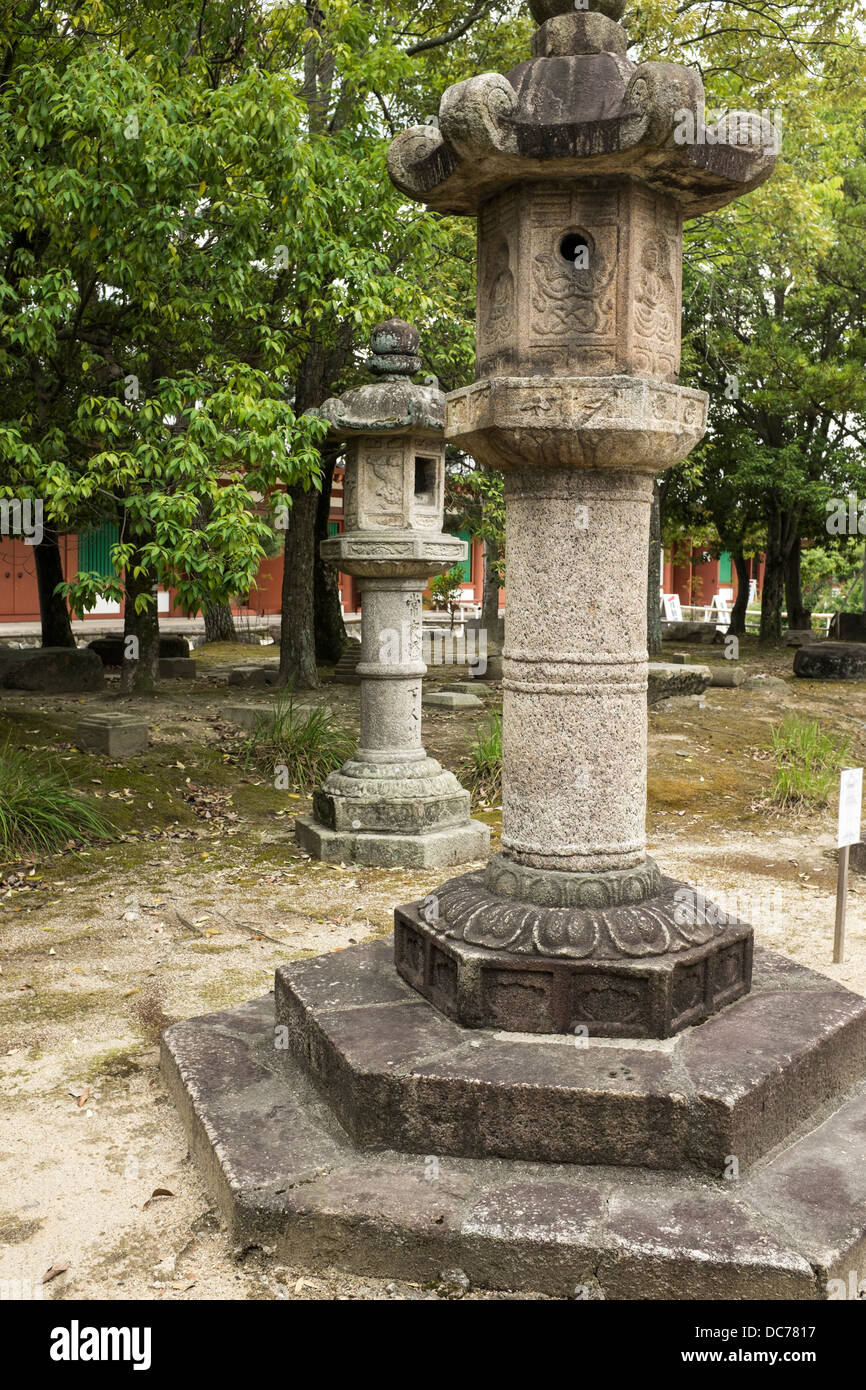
{"x": 94, "y": 549}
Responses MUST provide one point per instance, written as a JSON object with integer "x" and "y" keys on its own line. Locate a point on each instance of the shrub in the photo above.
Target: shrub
{"x": 807, "y": 762}
{"x": 306, "y": 742}
{"x": 481, "y": 771}
{"x": 39, "y": 810}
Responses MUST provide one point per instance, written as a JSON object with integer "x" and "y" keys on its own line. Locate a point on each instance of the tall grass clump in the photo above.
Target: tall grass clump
{"x": 40, "y": 812}
{"x": 481, "y": 771}
{"x": 306, "y": 742}
{"x": 807, "y": 762}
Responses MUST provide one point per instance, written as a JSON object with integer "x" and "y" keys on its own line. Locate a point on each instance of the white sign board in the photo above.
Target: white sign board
{"x": 850, "y": 805}
{"x": 671, "y": 607}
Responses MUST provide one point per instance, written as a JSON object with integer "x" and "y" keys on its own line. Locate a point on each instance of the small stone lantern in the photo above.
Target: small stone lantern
{"x": 574, "y": 167}
{"x": 391, "y": 804}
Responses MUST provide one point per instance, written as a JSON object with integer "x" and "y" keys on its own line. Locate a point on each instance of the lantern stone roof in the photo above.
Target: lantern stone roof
{"x": 579, "y": 107}
{"x": 394, "y": 404}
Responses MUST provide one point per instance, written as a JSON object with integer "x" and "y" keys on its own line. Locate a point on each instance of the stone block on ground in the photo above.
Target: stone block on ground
{"x": 250, "y": 716}
{"x": 665, "y": 679}
{"x": 857, "y": 857}
{"x": 727, "y": 677}
{"x": 50, "y": 670}
{"x": 831, "y": 661}
{"x": 767, "y": 685}
{"x": 688, "y": 631}
{"x": 848, "y": 627}
{"x": 110, "y": 649}
{"x": 799, "y": 637}
{"x": 449, "y": 699}
{"x": 177, "y": 668}
{"x": 464, "y": 688}
{"x": 117, "y": 735}
{"x": 255, "y": 675}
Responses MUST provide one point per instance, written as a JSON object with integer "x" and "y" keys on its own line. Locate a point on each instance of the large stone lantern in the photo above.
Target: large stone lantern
{"x": 401, "y": 1121}
{"x": 573, "y": 169}
{"x": 391, "y": 804}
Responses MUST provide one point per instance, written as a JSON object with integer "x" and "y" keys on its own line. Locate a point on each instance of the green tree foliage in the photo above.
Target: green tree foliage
{"x": 774, "y": 292}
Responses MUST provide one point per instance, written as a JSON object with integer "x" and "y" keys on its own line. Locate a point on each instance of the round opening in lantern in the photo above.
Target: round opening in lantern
{"x": 574, "y": 248}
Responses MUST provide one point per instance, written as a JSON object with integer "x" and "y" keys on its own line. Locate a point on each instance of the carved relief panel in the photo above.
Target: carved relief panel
{"x": 380, "y": 483}
{"x": 573, "y": 255}
{"x": 395, "y": 483}
{"x": 655, "y": 281}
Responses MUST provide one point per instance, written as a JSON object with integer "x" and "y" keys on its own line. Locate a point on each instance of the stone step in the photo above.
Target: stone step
{"x": 345, "y": 672}
{"x": 285, "y": 1174}
{"x": 399, "y": 1074}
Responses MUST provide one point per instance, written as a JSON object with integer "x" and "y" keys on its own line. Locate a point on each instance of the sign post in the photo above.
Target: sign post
{"x": 850, "y": 811}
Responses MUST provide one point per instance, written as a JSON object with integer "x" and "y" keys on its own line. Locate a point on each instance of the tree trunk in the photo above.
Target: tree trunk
{"x": 219, "y": 625}
{"x": 774, "y": 583}
{"x": 654, "y": 559}
{"x": 56, "y": 626}
{"x": 490, "y": 594}
{"x": 737, "y": 625}
{"x": 798, "y": 616}
{"x": 138, "y": 676}
{"x": 330, "y": 631}
{"x": 297, "y": 625}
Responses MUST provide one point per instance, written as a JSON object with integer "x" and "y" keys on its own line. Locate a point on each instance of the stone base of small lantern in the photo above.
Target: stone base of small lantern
{"x": 412, "y": 815}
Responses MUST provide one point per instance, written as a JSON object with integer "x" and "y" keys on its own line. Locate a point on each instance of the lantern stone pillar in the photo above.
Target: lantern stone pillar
{"x": 575, "y": 171}
{"x": 391, "y": 804}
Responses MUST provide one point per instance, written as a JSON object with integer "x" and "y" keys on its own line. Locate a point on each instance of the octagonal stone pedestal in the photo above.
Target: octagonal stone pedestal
{"x": 615, "y": 986}
{"x": 350, "y": 1123}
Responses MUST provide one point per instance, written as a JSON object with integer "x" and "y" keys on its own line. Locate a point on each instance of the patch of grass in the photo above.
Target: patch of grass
{"x": 481, "y": 771}
{"x": 40, "y": 812}
{"x": 307, "y": 743}
{"x": 807, "y": 762}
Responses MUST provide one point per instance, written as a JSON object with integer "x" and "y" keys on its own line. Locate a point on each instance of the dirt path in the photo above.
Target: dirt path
{"x": 207, "y": 893}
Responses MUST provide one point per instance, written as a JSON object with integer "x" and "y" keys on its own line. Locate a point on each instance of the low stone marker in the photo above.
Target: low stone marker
{"x": 254, "y": 675}
{"x": 799, "y": 637}
{"x": 451, "y": 699}
{"x": 117, "y": 735}
{"x": 665, "y": 680}
{"x": 177, "y": 668}
{"x": 50, "y": 670}
{"x": 831, "y": 661}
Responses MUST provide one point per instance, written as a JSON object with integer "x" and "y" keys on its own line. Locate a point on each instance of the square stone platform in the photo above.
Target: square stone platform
{"x": 346, "y": 1121}
{"x": 437, "y": 848}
